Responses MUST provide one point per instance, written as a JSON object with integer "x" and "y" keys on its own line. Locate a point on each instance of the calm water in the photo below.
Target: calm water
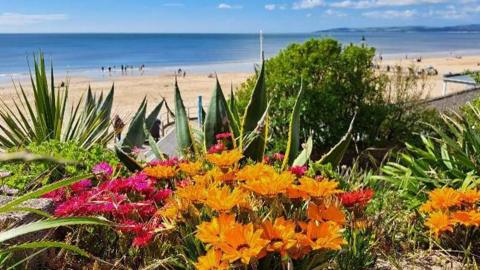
{"x": 86, "y": 53}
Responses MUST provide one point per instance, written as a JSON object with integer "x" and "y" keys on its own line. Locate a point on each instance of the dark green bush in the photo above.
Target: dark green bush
{"x": 26, "y": 175}
{"x": 338, "y": 81}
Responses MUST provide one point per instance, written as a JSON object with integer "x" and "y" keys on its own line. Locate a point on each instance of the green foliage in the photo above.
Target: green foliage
{"x": 185, "y": 141}
{"x": 136, "y": 136}
{"x": 293, "y": 144}
{"x": 44, "y": 117}
{"x": 27, "y": 174}
{"x": 217, "y": 120}
{"x": 338, "y": 82}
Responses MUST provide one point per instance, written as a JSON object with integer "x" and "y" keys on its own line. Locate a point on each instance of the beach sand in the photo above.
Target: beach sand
{"x": 130, "y": 90}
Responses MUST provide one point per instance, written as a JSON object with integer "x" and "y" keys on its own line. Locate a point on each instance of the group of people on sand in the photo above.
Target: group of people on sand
{"x": 124, "y": 68}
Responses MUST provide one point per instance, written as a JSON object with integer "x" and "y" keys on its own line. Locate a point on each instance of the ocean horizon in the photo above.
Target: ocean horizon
{"x": 84, "y": 54}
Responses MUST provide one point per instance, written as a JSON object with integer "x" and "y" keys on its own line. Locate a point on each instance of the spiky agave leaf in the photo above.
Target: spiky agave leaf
{"x": 336, "y": 153}
{"x": 254, "y": 112}
{"x": 136, "y": 136}
{"x": 217, "y": 120}
{"x": 150, "y": 120}
{"x": 185, "y": 142}
{"x": 293, "y": 143}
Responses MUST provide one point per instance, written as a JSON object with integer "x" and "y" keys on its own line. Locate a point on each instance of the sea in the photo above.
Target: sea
{"x": 86, "y": 54}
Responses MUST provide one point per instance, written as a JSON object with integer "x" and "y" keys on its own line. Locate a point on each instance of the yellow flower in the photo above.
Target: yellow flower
{"x": 161, "y": 172}
{"x": 444, "y": 198}
{"x": 213, "y": 232}
{"x": 211, "y": 261}
{"x": 225, "y": 159}
{"x": 194, "y": 193}
{"x": 439, "y": 222}
{"x": 191, "y": 169}
{"x": 330, "y": 213}
{"x": 243, "y": 243}
{"x": 326, "y": 235}
{"x": 255, "y": 172}
{"x": 223, "y": 199}
{"x": 310, "y": 187}
{"x": 281, "y": 235}
{"x": 217, "y": 175}
{"x": 270, "y": 187}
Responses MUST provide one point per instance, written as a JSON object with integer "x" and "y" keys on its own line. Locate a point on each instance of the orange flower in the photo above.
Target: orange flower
{"x": 270, "y": 187}
{"x": 301, "y": 248}
{"x": 211, "y": 261}
{"x": 471, "y": 196}
{"x": 281, "y": 235}
{"x": 225, "y": 159}
{"x": 194, "y": 193}
{"x": 444, "y": 198}
{"x": 330, "y": 213}
{"x": 326, "y": 235}
{"x": 243, "y": 243}
{"x": 213, "y": 232}
{"x": 313, "y": 188}
{"x": 439, "y": 222}
{"x": 191, "y": 169}
{"x": 161, "y": 172}
{"x": 255, "y": 172}
{"x": 467, "y": 218}
{"x": 223, "y": 199}
{"x": 219, "y": 176}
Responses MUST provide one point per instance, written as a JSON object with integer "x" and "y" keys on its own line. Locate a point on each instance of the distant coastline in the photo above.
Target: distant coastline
{"x": 456, "y": 28}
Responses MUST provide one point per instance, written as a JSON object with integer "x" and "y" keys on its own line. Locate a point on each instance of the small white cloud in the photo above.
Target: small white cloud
{"x": 308, "y": 15}
{"x": 383, "y": 3}
{"x": 228, "y": 6}
{"x": 308, "y": 4}
{"x": 332, "y": 12}
{"x": 391, "y": 14}
{"x": 18, "y": 19}
{"x": 270, "y": 6}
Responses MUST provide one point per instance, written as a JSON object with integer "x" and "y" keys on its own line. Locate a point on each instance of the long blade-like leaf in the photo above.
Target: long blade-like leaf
{"x": 335, "y": 155}
{"x": 182, "y": 125}
{"x": 293, "y": 143}
{"x": 217, "y": 120}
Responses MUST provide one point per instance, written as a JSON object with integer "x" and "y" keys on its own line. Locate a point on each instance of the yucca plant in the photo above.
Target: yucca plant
{"x": 43, "y": 116}
{"x": 8, "y": 245}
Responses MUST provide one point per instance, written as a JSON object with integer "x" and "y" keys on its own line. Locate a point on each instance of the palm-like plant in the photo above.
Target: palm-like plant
{"x": 44, "y": 117}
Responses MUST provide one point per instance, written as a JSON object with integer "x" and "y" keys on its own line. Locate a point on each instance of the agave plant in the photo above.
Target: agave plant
{"x": 249, "y": 132}
{"x": 8, "y": 245}
{"x": 43, "y": 117}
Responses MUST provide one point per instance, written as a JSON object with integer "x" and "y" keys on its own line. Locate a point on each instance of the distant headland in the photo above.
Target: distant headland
{"x": 455, "y": 28}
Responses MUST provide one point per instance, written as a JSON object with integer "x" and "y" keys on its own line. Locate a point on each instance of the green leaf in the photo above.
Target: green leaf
{"x": 293, "y": 144}
{"x": 335, "y": 155}
{"x": 233, "y": 106}
{"x": 29, "y": 157}
{"x": 154, "y": 148}
{"x": 48, "y": 224}
{"x": 44, "y": 244}
{"x": 131, "y": 164}
{"x": 217, "y": 120}
{"x": 153, "y": 115}
{"x": 253, "y": 114}
{"x": 182, "y": 125}
{"x": 135, "y": 136}
{"x": 41, "y": 191}
{"x": 304, "y": 156}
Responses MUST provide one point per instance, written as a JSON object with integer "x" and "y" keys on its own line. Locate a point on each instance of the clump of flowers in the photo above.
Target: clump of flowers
{"x": 448, "y": 210}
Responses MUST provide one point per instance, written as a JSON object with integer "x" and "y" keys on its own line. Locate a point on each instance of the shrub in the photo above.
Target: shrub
{"x": 26, "y": 175}
{"x": 338, "y": 81}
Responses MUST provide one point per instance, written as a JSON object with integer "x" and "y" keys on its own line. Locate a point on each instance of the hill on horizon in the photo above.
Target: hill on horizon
{"x": 415, "y": 28}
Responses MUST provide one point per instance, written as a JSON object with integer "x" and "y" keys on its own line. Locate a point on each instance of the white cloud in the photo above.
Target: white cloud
{"x": 18, "y": 19}
{"x": 383, "y": 3}
{"x": 332, "y": 12}
{"x": 227, "y": 6}
{"x": 307, "y": 4}
{"x": 271, "y": 7}
{"x": 391, "y": 14}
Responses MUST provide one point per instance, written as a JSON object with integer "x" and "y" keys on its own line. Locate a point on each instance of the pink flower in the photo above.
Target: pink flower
{"x": 278, "y": 156}
{"x": 266, "y": 159}
{"x": 81, "y": 186}
{"x": 162, "y": 195}
{"x": 358, "y": 198}
{"x": 216, "y": 148}
{"x": 143, "y": 238}
{"x": 299, "y": 171}
{"x": 225, "y": 135}
{"x": 102, "y": 169}
{"x": 57, "y": 195}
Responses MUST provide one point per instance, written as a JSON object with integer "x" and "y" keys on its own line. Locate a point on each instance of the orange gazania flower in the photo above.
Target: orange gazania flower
{"x": 281, "y": 235}
{"x": 467, "y": 218}
{"x": 313, "y": 188}
{"x": 223, "y": 199}
{"x": 272, "y": 186}
{"x": 255, "y": 172}
{"x": 211, "y": 261}
{"x": 225, "y": 159}
{"x": 444, "y": 198}
{"x": 194, "y": 193}
{"x": 330, "y": 213}
{"x": 470, "y": 196}
{"x": 213, "y": 232}
{"x": 219, "y": 176}
{"x": 243, "y": 243}
{"x": 326, "y": 235}
{"x": 439, "y": 222}
{"x": 161, "y": 172}
{"x": 190, "y": 168}
{"x": 301, "y": 248}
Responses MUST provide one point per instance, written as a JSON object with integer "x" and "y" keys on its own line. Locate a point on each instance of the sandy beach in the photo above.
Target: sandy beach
{"x": 130, "y": 90}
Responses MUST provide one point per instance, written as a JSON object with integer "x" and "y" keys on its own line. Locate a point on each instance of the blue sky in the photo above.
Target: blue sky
{"x": 203, "y": 16}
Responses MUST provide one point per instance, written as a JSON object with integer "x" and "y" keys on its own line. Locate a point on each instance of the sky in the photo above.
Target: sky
{"x": 227, "y": 16}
